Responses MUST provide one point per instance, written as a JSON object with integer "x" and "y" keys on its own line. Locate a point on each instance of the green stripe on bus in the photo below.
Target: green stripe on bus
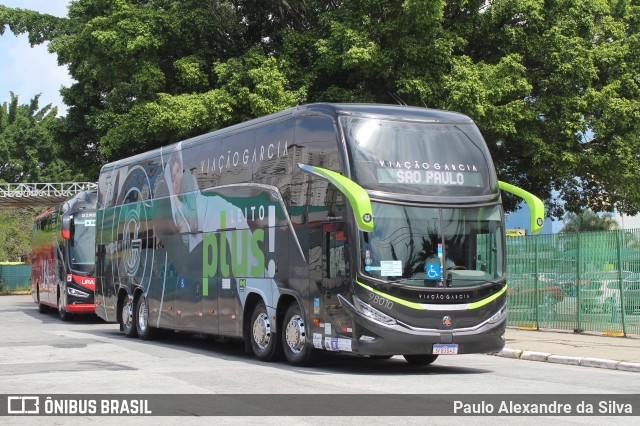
{"x": 479, "y": 303}
{"x": 408, "y": 304}
{"x": 413, "y": 305}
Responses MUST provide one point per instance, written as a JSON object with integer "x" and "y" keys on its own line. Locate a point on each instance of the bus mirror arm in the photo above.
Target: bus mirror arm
{"x": 536, "y": 207}
{"x": 357, "y": 196}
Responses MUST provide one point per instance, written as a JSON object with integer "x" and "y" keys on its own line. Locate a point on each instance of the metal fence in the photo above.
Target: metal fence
{"x": 15, "y": 276}
{"x": 584, "y": 281}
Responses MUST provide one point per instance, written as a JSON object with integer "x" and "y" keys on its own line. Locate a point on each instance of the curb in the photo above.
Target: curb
{"x": 568, "y": 360}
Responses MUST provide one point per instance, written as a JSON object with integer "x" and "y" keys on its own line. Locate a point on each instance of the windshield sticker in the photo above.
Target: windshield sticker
{"x": 391, "y": 268}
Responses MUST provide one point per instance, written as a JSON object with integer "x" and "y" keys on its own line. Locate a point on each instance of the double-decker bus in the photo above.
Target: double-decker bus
{"x": 370, "y": 229}
{"x": 63, "y": 259}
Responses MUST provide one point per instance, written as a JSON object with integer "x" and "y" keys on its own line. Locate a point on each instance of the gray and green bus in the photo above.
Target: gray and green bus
{"x": 371, "y": 229}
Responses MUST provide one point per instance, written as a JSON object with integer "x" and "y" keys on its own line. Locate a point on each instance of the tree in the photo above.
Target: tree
{"x": 586, "y": 220}
{"x": 28, "y": 152}
{"x": 15, "y": 232}
{"x": 552, "y": 84}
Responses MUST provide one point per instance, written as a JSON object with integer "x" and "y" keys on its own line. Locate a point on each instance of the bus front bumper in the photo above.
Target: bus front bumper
{"x": 80, "y": 308}
{"x": 377, "y": 338}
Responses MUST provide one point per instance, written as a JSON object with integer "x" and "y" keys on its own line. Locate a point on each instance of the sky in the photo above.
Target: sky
{"x": 28, "y": 71}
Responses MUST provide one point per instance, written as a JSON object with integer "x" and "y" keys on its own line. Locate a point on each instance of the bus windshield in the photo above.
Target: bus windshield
{"x": 433, "y": 159}
{"x": 434, "y": 247}
{"x": 82, "y": 252}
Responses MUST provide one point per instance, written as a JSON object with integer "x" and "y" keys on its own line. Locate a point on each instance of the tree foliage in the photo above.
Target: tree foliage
{"x": 15, "y": 229}
{"x": 586, "y": 220}
{"x": 28, "y": 149}
{"x": 552, "y": 84}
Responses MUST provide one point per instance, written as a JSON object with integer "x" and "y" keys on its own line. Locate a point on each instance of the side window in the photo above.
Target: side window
{"x": 317, "y": 143}
{"x": 336, "y": 263}
{"x": 236, "y": 156}
{"x": 271, "y": 156}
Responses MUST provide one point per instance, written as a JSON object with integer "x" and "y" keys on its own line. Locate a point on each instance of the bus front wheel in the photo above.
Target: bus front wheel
{"x": 420, "y": 359}
{"x": 62, "y": 312}
{"x": 127, "y": 323}
{"x": 144, "y": 330}
{"x": 297, "y": 346}
{"x": 264, "y": 341}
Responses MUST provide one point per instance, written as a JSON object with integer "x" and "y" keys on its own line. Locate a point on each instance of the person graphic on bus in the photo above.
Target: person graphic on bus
{"x": 182, "y": 186}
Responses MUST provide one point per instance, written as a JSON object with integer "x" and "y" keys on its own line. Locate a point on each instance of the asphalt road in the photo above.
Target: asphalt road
{"x": 40, "y": 354}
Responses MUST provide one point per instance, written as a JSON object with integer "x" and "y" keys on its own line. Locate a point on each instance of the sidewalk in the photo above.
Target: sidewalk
{"x": 589, "y": 350}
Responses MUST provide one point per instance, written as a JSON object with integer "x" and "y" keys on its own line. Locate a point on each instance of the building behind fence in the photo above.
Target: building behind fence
{"x": 583, "y": 281}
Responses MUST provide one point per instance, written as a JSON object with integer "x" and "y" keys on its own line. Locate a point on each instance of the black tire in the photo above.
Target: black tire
{"x": 127, "y": 318}
{"x": 380, "y": 356}
{"x": 296, "y": 341}
{"x": 425, "y": 359}
{"x": 42, "y": 308}
{"x": 143, "y": 329}
{"x": 62, "y": 312}
{"x": 264, "y": 342}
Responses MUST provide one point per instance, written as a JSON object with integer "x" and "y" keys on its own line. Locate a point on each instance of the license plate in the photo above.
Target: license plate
{"x": 445, "y": 349}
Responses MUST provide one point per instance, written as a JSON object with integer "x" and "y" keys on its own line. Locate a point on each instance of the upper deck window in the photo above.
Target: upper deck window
{"x": 418, "y": 158}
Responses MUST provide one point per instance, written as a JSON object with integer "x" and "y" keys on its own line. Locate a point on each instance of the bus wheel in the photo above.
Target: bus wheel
{"x": 42, "y": 308}
{"x": 144, "y": 330}
{"x": 127, "y": 323}
{"x": 62, "y": 312}
{"x": 420, "y": 359}
{"x": 297, "y": 347}
{"x": 264, "y": 342}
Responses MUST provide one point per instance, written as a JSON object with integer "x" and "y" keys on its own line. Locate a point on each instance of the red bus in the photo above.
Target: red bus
{"x": 63, "y": 266}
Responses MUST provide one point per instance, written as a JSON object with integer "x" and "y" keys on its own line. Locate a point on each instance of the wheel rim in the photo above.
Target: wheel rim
{"x": 295, "y": 334}
{"x": 262, "y": 331}
{"x": 127, "y": 313}
{"x": 143, "y": 316}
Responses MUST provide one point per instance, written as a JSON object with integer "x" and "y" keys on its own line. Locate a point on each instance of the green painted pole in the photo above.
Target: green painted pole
{"x": 537, "y": 294}
{"x": 578, "y": 285}
{"x": 620, "y": 284}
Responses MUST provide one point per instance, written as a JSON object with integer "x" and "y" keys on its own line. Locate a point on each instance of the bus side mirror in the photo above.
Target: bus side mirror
{"x": 536, "y": 207}
{"x": 356, "y": 195}
{"x": 67, "y": 227}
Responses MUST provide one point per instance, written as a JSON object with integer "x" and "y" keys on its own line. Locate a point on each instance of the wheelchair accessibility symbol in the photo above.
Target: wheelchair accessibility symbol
{"x": 433, "y": 271}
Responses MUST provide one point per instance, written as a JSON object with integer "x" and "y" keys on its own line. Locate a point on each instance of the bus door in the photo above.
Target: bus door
{"x": 188, "y": 302}
{"x": 210, "y": 283}
{"x": 189, "y": 283}
{"x": 335, "y": 275}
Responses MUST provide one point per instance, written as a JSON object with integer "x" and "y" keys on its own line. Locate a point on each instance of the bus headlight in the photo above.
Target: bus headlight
{"x": 372, "y": 313}
{"x": 502, "y": 312}
{"x": 76, "y": 293}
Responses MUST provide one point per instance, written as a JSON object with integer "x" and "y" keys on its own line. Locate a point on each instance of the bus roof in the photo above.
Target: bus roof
{"x": 382, "y": 111}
